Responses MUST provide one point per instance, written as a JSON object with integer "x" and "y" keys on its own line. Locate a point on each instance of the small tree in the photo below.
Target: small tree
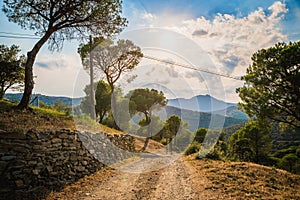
{"x": 110, "y": 60}
{"x": 272, "y": 86}
{"x": 200, "y": 135}
{"x": 11, "y": 68}
{"x": 103, "y": 100}
{"x": 146, "y": 101}
{"x": 85, "y": 103}
{"x": 59, "y": 20}
{"x": 251, "y": 143}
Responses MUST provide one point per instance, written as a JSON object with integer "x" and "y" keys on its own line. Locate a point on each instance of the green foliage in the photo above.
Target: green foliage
{"x": 155, "y": 127}
{"x": 290, "y": 162}
{"x": 288, "y": 159}
{"x": 85, "y": 122}
{"x": 184, "y": 138}
{"x": 103, "y": 99}
{"x": 200, "y": 135}
{"x": 110, "y": 60}
{"x": 192, "y": 148}
{"x": 11, "y": 68}
{"x": 172, "y": 126}
{"x": 213, "y": 145}
{"x": 122, "y": 116}
{"x": 272, "y": 86}
{"x": 251, "y": 143}
{"x": 146, "y": 101}
{"x": 58, "y": 20}
{"x": 58, "y": 106}
{"x": 65, "y": 20}
{"x": 85, "y": 102}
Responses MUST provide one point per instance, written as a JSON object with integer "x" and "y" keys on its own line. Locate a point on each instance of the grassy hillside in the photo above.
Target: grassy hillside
{"x": 49, "y": 100}
{"x": 20, "y": 121}
{"x": 241, "y": 180}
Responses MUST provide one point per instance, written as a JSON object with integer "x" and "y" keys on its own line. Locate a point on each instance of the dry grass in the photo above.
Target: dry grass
{"x": 20, "y": 121}
{"x": 241, "y": 180}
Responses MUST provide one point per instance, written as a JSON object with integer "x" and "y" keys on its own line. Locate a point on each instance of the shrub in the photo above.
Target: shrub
{"x": 193, "y": 148}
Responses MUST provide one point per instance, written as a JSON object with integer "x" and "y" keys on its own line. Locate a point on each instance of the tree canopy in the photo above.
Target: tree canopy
{"x": 11, "y": 68}
{"x": 272, "y": 86}
{"x": 110, "y": 60}
{"x": 103, "y": 99}
{"x": 251, "y": 143}
{"x": 147, "y": 100}
{"x": 59, "y": 20}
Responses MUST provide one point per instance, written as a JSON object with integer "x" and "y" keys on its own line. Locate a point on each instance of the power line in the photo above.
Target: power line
{"x": 19, "y": 37}
{"x": 20, "y": 34}
{"x": 28, "y": 36}
{"x": 190, "y": 67}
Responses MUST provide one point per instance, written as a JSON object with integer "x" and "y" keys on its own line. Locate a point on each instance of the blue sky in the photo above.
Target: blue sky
{"x": 214, "y": 35}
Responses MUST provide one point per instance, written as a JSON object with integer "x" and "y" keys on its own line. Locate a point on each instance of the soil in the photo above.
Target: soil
{"x": 173, "y": 177}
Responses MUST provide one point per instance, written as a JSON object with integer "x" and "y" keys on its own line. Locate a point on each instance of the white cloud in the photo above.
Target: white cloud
{"x": 228, "y": 40}
{"x": 60, "y": 74}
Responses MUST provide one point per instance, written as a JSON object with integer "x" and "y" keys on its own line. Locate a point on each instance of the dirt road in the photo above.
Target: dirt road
{"x": 171, "y": 179}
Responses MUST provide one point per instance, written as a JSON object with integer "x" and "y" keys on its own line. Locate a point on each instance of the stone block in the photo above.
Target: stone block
{"x": 8, "y": 158}
{"x": 19, "y": 183}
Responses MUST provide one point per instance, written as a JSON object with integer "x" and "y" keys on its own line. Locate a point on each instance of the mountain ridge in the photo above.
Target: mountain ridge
{"x": 201, "y": 103}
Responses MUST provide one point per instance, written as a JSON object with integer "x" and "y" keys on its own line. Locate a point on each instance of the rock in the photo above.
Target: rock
{"x": 36, "y": 147}
{"x": 63, "y": 136}
{"x": 19, "y": 183}
{"x": 56, "y": 140}
{"x": 49, "y": 169}
{"x": 84, "y": 163}
{"x": 32, "y": 162}
{"x": 8, "y": 158}
{"x": 80, "y": 168}
{"x": 36, "y": 171}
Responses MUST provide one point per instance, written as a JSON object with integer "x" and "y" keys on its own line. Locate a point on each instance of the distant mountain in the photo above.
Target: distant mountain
{"x": 50, "y": 100}
{"x": 232, "y": 111}
{"x": 200, "y": 119}
{"x": 200, "y": 103}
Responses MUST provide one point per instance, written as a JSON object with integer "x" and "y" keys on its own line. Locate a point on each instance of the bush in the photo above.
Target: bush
{"x": 192, "y": 148}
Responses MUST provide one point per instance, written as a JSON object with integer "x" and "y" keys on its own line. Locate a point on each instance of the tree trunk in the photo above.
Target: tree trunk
{"x": 114, "y": 107}
{"x": 31, "y": 55}
{"x": 1, "y": 93}
{"x": 92, "y": 96}
{"x": 148, "y": 121}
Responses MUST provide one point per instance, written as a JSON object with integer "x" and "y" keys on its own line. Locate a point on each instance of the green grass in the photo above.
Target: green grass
{"x": 51, "y": 112}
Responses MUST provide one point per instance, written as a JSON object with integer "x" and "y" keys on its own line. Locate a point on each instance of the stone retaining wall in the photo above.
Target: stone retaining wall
{"x": 34, "y": 163}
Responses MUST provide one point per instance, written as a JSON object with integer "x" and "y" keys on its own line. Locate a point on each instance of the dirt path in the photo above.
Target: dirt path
{"x": 173, "y": 181}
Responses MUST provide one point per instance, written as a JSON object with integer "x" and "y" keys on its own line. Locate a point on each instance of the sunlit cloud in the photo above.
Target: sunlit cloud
{"x": 229, "y": 40}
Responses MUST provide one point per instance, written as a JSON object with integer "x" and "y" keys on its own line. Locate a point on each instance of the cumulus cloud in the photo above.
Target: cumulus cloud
{"x": 60, "y": 74}
{"x": 228, "y": 40}
{"x": 199, "y": 32}
{"x": 231, "y": 41}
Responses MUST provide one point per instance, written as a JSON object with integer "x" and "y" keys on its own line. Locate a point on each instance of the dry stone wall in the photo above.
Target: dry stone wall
{"x": 34, "y": 163}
